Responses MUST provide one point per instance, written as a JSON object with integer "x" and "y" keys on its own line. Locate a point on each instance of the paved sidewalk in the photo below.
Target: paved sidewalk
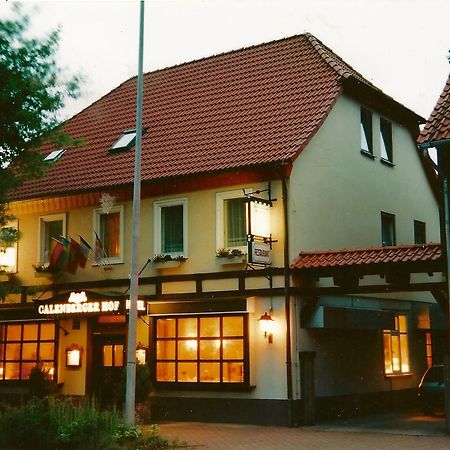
{"x": 250, "y": 437}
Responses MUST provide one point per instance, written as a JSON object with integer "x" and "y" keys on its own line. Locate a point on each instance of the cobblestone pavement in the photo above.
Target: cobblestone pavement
{"x": 250, "y": 437}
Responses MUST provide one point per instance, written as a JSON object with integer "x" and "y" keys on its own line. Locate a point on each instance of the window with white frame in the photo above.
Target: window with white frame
{"x": 51, "y": 228}
{"x": 108, "y": 235}
{"x": 386, "y": 140}
{"x": 171, "y": 227}
{"x": 396, "y": 351}
{"x": 231, "y": 219}
{"x": 366, "y": 131}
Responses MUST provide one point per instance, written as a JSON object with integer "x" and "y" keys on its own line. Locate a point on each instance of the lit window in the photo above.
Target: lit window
{"x": 54, "y": 156}
{"x": 419, "y": 232}
{"x": 125, "y": 142}
{"x": 23, "y": 346}
{"x": 171, "y": 227}
{"x": 202, "y": 349}
{"x": 113, "y": 355}
{"x": 366, "y": 131}
{"x": 386, "y": 140}
{"x": 231, "y": 220}
{"x": 51, "y": 229}
{"x": 387, "y": 229}
{"x": 429, "y": 349}
{"x": 396, "y": 352}
{"x": 8, "y": 250}
{"x": 108, "y": 235}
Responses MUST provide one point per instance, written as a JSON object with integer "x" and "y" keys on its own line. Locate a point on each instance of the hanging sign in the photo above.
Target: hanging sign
{"x": 259, "y": 253}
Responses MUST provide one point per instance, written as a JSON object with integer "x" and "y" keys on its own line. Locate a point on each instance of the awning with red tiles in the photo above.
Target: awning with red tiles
{"x": 372, "y": 258}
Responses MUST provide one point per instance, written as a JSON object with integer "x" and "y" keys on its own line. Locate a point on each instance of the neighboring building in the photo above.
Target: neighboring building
{"x": 282, "y": 144}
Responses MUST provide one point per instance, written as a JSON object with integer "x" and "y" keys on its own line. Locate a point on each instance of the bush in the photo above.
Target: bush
{"x": 40, "y": 382}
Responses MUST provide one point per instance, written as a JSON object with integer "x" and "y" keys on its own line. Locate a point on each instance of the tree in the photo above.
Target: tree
{"x": 33, "y": 89}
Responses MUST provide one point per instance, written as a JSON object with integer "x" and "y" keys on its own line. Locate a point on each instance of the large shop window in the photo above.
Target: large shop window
{"x": 205, "y": 349}
{"x": 231, "y": 217}
{"x": 171, "y": 227}
{"x": 22, "y": 346}
{"x": 109, "y": 230}
{"x": 396, "y": 352}
{"x": 51, "y": 228}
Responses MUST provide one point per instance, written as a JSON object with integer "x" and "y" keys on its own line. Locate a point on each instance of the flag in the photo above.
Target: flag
{"x": 98, "y": 253}
{"x": 60, "y": 256}
{"x": 85, "y": 249}
{"x": 74, "y": 256}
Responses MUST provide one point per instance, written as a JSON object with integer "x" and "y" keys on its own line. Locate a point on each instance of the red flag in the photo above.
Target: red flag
{"x": 74, "y": 256}
{"x": 55, "y": 255}
{"x": 60, "y": 256}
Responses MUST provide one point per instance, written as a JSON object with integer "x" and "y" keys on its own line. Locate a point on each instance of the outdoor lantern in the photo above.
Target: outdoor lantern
{"x": 141, "y": 353}
{"x": 73, "y": 355}
{"x": 266, "y": 325}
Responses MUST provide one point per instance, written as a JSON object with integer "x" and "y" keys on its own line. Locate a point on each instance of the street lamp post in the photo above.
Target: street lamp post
{"x": 134, "y": 274}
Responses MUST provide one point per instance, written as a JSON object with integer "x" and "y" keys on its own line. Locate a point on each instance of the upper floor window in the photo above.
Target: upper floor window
{"x": 51, "y": 228}
{"x": 419, "y": 232}
{"x": 202, "y": 349}
{"x": 366, "y": 131}
{"x": 171, "y": 227}
{"x": 108, "y": 235}
{"x": 8, "y": 247}
{"x": 386, "y": 140}
{"x": 231, "y": 220}
{"x": 396, "y": 351}
{"x": 387, "y": 229}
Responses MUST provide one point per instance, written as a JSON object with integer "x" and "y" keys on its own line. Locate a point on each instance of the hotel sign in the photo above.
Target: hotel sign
{"x": 78, "y": 304}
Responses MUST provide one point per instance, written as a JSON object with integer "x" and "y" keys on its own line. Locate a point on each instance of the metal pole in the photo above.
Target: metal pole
{"x": 134, "y": 276}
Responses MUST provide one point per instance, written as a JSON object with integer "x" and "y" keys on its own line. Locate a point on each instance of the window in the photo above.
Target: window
{"x": 108, "y": 228}
{"x": 429, "y": 349}
{"x": 396, "y": 353}
{"x": 419, "y": 232}
{"x": 231, "y": 217}
{"x": 8, "y": 249}
{"x": 366, "y": 131}
{"x": 387, "y": 229}
{"x": 386, "y": 140}
{"x": 51, "y": 228}
{"x": 22, "y": 346}
{"x": 171, "y": 227}
{"x": 202, "y": 349}
{"x": 113, "y": 355}
{"x": 125, "y": 141}
{"x": 54, "y": 156}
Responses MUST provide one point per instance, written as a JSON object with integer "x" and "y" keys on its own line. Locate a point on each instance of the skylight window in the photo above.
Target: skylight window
{"x": 54, "y": 155}
{"x": 125, "y": 142}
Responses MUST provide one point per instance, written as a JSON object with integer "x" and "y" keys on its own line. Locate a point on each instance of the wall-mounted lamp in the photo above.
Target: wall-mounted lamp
{"x": 141, "y": 353}
{"x": 74, "y": 354}
{"x": 266, "y": 325}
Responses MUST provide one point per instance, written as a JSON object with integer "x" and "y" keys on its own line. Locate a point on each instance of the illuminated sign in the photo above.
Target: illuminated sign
{"x": 79, "y": 304}
{"x": 259, "y": 253}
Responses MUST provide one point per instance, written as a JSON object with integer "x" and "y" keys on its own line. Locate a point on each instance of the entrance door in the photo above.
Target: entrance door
{"x": 108, "y": 376}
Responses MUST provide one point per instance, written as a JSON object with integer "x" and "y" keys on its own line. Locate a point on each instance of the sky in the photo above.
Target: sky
{"x": 399, "y": 45}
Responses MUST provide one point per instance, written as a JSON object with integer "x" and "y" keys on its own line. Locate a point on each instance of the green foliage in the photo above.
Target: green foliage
{"x": 33, "y": 90}
{"x": 40, "y": 382}
{"x": 8, "y": 237}
{"x": 60, "y": 425}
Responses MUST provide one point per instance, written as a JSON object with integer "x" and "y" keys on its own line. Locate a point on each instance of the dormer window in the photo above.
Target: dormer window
{"x": 54, "y": 155}
{"x": 125, "y": 141}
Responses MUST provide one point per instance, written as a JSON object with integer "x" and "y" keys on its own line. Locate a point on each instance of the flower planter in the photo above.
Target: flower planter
{"x": 166, "y": 265}
{"x": 233, "y": 260}
{"x": 43, "y": 274}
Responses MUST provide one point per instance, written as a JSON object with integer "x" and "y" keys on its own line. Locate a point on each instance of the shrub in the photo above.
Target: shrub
{"x": 40, "y": 382}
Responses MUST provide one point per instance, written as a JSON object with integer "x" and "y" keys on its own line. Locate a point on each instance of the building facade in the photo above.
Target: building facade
{"x": 251, "y": 159}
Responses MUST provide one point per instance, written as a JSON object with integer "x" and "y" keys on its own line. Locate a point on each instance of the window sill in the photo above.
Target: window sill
{"x": 367, "y": 154}
{"x": 166, "y": 265}
{"x": 386, "y": 162}
{"x": 398, "y": 375}
{"x": 213, "y": 387}
{"x": 43, "y": 274}
{"x": 107, "y": 262}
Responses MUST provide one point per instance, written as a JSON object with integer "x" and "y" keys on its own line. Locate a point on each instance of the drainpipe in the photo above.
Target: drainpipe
{"x": 287, "y": 300}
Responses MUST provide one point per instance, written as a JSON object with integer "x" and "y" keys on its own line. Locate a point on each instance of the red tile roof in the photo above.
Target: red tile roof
{"x": 437, "y": 127}
{"x": 367, "y": 256}
{"x": 255, "y": 106}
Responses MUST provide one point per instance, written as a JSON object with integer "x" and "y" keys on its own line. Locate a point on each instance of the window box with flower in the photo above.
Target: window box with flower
{"x": 230, "y": 256}
{"x": 167, "y": 261}
{"x": 43, "y": 271}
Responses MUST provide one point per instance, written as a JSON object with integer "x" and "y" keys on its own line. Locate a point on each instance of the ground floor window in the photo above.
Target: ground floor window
{"x": 202, "y": 349}
{"x": 396, "y": 352}
{"x": 23, "y": 345}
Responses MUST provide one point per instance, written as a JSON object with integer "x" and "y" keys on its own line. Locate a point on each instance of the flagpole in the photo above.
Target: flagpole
{"x": 134, "y": 277}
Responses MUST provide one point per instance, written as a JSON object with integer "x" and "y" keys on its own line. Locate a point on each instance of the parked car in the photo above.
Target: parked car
{"x": 431, "y": 389}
